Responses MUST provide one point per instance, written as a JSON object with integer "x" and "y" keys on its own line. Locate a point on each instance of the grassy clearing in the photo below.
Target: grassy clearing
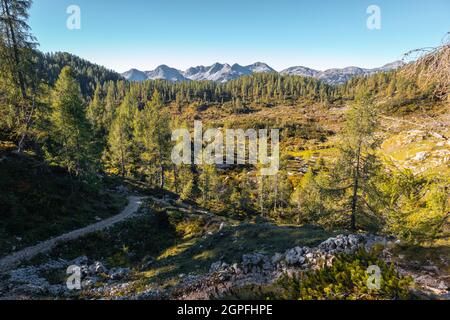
{"x": 311, "y": 153}
{"x": 196, "y": 255}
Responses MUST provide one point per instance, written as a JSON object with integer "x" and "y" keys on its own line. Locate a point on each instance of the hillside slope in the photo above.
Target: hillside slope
{"x": 38, "y": 201}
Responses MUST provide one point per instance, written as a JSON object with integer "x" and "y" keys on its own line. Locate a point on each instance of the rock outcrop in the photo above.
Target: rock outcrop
{"x": 255, "y": 269}
{"x": 261, "y": 269}
{"x": 32, "y": 280}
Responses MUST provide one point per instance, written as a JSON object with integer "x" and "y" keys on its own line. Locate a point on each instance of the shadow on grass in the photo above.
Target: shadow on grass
{"x": 228, "y": 245}
{"x": 170, "y": 242}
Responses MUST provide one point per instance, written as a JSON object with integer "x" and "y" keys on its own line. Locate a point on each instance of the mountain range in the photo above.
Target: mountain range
{"x": 224, "y": 72}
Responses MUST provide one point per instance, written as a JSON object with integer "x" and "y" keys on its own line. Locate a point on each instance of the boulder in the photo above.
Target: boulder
{"x": 80, "y": 261}
{"x": 218, "y": 266}
{"x": 253, "y": 259}
{"x": 295, "y": 256}
{"x": 119, "y": 273}
{"x": 89, "y": 282}
{"x": 97, "y": 268}
{"x": 309, "y": 256}
{"x": 277, "y": 257}
{"x": 354, "y": 239}
{"x": 54, "y": 264}
{"x": 256, "y": 262}
{"x": 236, "y": 269}
{"x": 420, "y": 156}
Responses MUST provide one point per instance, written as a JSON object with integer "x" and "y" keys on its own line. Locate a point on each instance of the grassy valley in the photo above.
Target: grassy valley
{"x": 363, "y": 180}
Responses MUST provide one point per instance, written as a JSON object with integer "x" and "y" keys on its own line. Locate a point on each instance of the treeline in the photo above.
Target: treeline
{"x": 258, "y": 88}
{"x": 268, "y": 89}
{"x": 391, "y": 89}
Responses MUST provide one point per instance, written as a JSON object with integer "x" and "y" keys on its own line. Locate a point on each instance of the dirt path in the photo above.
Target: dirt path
{"x": 12, "y": 260}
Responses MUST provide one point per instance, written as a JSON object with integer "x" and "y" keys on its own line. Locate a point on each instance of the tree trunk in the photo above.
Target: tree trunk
{"x": 122, "y": 155}
{"x": 356, "y": 188}
{"x": 161, "y": 167}
{"x": 275, "y": 204}
{"x": 261, "y": 196}
{"x": 175, "y": 179}
{"x": 27, "y": 127}
{"x": 162, "y": 178}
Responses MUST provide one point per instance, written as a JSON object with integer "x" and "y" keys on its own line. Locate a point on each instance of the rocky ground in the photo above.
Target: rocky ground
{"x": 48, "y": 280}
{"x": 259, "y": 269}
{"x": 418, "y": 150}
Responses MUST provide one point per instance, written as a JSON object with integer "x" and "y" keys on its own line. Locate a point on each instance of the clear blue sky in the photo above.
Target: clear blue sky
{"x": 321, "y": 34}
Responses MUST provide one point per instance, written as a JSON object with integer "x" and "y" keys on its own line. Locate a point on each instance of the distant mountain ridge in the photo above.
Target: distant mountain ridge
{"x": 219, "y": 72}
{"x": 339, "y": 76}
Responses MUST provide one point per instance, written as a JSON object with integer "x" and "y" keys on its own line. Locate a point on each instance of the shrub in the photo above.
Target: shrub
{"x": 346, "y": 279}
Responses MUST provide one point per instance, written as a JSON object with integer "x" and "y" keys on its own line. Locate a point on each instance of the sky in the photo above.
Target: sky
{"x": 319, "y": 34}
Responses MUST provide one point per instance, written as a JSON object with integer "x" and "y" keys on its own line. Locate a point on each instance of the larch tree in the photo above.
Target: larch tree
{"x": 186, "y": 179}
{"x": 110, "y": 105}
{"x": 16, "y": 38}
{"x": 153, "y": 132}
{"x": 96, "y": 111}
{"x": 209, "y": 183}
{"x": 120, "y": 138}
{"x": 16, "y": 50}
{"x": 357, "y": 161}
{"x": 70, "y": 130}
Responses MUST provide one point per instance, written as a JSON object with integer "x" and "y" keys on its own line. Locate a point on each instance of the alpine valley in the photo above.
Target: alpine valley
{"x": 97, "y": 203}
